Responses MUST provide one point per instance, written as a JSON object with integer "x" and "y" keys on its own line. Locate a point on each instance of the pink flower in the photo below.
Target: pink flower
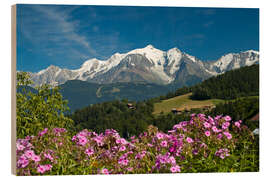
{"x": 48, "y": 156}
{"x": 131, "y": 152}
{"x": 172, "y": 160}
{"x": 171, "y": 131}
{"x": 227, "y": 118}
{"x": 228, "y": 135}
{"x": 43, "y": 132}
{"x": 35, "y": 158}
{"x": 123, "y": 141}
{"x": 41, "y": 169}
{"x": 164, "y": 143}
{"x": 237, "y": 124}
{"x": 105, "y": 171}
{"x": 200, "y": 115}
{"x": 183, "y": 123}
{"x": 140, "y": 155}
{"x": 22, "y": 158}
{"x": 83, "y": 140}
{"x": 215, "y": 129}
{"x": 123, "y": 162}
{"x": 218, "y": 117}
{"x": 203, "y": 145}
{"x": 83, "y": 133}
{"x": 130, "y": 169}
{"x": 177, "y": 126}
{"x": 189, "y": 140}
{"x": 211, "y": 120}
{"x": 175, "y": 169}
{"x": 48, "y": 167}
{"x": 222, "y": 156}
{"x": 225, "y": 125}
{"x": 160, "y": 135}
{"x": 222, "y": 153}
{"x": 219, "y": 136}
{"x": 29, "y": 153}
{"x": 19, "y": 147}
{"x": 58, "y": 131}
{"x": 89, "y": 151}
{"x": 122, "y": 148}
{"x": 99, "y": 140}
{"x": 118, "y": 141}
{"x": 172, "y": 149}
{"x": 207, "y": 125}
{"x": 23, "y": 161}
{"x": 74, "y": 138}
{"x": 207, "y": 133}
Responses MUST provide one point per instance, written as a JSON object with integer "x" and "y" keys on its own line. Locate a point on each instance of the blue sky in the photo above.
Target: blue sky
{"x": 66, "y": 36}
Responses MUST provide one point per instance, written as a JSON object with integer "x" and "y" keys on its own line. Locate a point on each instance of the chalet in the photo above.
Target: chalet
{"x": 180, "y": 110}
{"x": 176, "y": 111}
{"x": 130, "y": 106}
{"x": 187, "y": 110}
{"x": 207, "y": 108}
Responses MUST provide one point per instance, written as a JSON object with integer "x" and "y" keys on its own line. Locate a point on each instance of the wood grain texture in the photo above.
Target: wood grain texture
{"x": 13, "y": 89}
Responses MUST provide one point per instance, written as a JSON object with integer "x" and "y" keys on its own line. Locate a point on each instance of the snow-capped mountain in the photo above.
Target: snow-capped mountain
{"x": 233, "y": 61}
{"x": 147, "y": 64}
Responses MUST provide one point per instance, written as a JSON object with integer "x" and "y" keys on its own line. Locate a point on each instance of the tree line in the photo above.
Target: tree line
{"x": 232, "y": 84}
{"x": 128, "y": 122}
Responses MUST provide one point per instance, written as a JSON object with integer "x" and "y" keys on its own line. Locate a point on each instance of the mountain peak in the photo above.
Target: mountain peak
{"x": 89, "y": 61}
{"x": 155, "y": 65}
{"x": 150, "y": 46}
{"x": 50, "y": 68}
{"x": 53, "y": 67}
{"x": 117, "y": 54}
{"x": 251, "y": 51}
{"x": 175, "y": 49}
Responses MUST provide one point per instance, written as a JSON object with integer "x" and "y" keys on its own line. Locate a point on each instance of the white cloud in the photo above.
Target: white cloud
{"x": 52, "y": 30}
{"x": 66, "y": 27}
{"x": 61, "y": 36}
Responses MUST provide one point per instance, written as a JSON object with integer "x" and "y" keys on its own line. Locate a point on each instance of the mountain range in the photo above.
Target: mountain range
{"x": 147, "y": 65}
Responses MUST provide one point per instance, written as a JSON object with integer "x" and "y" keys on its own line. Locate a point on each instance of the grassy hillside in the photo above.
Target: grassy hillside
{"x": 182, "y": 102}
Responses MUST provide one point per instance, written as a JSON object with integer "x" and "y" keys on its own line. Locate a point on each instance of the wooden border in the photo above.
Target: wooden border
{"x": 13, "y": 88}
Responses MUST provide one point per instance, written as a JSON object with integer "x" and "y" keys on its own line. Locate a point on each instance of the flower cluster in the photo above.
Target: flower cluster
{"x": 179, "y": 150}
{"x": 222, "y": 153}
{"x": 33, "y": 160}
{"x": 28, "y": 158}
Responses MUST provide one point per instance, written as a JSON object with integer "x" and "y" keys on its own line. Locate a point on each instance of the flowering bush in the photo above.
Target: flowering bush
{"x": 203, "y": 144}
